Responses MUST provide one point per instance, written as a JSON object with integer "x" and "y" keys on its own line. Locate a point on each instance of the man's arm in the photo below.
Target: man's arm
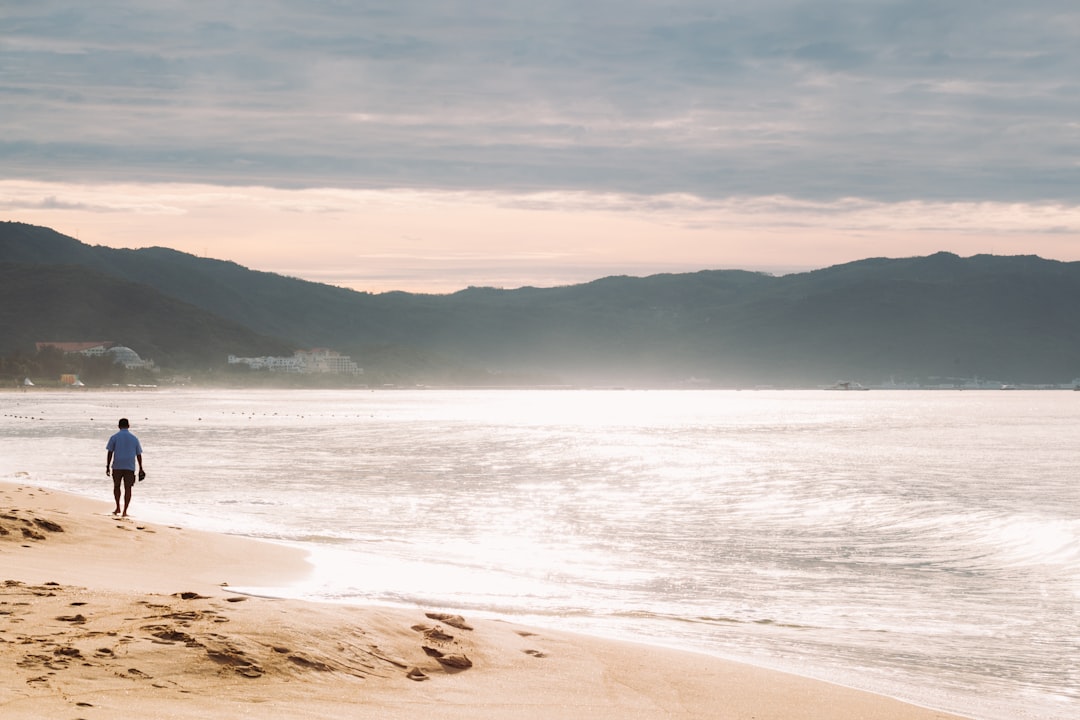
{"x": 108, "y": 461}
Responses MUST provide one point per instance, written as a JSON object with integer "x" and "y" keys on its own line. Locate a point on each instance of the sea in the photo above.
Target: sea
{"x": 923, "y": 545}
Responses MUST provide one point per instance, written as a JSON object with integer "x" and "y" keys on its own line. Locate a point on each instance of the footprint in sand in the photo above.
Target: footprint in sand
{"x": 437, "y": 635}
{"x": 455, "y": 621}
{"x": 309, "y": 663}
{"x": 188, "y": 595}
{"x": 236, "y": 659}
{"x": 457, "y": 662}
{"x": 169, "y": 635}
{"x": 47, "y": 525}
{"x": 72, "y": 618}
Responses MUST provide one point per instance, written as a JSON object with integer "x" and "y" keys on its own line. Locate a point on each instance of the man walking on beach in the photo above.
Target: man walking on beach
{"x": 124, "y": 451}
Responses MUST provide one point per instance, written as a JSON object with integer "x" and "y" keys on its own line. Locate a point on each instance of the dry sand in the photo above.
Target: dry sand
{"x": 109, "y": 618}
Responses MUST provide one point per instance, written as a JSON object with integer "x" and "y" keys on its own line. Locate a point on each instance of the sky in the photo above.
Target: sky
{"x": 432, "y": 145}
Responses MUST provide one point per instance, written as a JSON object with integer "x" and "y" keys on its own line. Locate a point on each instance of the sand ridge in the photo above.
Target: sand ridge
{"x": 89, "y": 648}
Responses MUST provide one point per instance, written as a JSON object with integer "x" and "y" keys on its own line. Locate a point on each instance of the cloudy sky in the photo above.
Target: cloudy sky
{"x": 429, "y": 145}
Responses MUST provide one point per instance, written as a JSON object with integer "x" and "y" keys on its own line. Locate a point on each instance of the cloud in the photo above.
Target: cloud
{"x": 971, "y": 100}
{"x": 426, "y": 144}
{"x": 21, "y": 197}
{"x": 53, "y": 203}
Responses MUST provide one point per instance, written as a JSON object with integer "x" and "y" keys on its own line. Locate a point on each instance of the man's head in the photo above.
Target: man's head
{"x": 124, "y": 424}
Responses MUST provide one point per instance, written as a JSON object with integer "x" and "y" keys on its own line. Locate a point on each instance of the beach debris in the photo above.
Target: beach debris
{"x": 416, "y": 674}
{"x": 455, "y": 621}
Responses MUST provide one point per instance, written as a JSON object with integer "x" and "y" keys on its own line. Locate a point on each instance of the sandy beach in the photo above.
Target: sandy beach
{"x": 106, "y": 618}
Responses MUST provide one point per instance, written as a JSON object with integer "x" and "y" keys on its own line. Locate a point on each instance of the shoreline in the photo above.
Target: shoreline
{"x": 101, "y": 616}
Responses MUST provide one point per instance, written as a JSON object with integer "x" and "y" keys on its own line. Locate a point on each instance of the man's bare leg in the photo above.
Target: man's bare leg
{"x": 127, "y": 499}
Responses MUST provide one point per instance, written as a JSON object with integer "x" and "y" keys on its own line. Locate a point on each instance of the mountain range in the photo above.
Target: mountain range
{"x": 1012, "y": 319}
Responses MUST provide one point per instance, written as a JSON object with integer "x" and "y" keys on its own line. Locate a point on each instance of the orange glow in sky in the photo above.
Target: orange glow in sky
{"x": 441, "y": 242}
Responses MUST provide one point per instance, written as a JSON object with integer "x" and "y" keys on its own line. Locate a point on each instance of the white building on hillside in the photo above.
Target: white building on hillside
{"x": 307, "y": 362}
{"x": 120, "y": 355}
{"x": 322, "y": 360}
{"x": 128, "y": 358}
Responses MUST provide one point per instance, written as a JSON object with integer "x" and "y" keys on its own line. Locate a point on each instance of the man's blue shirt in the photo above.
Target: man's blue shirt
{"x": 124, "y": 446}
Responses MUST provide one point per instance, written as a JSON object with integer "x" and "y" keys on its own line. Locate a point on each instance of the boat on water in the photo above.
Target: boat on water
{"x": 847, "y": 386}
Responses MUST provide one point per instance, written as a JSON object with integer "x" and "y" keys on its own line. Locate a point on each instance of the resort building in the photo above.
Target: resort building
{"x": 128, "y": 358}
{"x": 322, "y": 360}
{"x": 306, "y": 362}
{"x": 120, "y": 354}
{"x": 92, "y": 348}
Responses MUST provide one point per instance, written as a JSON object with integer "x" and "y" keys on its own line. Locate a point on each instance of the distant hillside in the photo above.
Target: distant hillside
{"x": 1006, "y": 318}
{"x": 67, "y": 302}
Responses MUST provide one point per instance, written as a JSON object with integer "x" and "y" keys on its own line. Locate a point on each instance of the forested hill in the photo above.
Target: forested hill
{"x": 1012, "y": 319}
